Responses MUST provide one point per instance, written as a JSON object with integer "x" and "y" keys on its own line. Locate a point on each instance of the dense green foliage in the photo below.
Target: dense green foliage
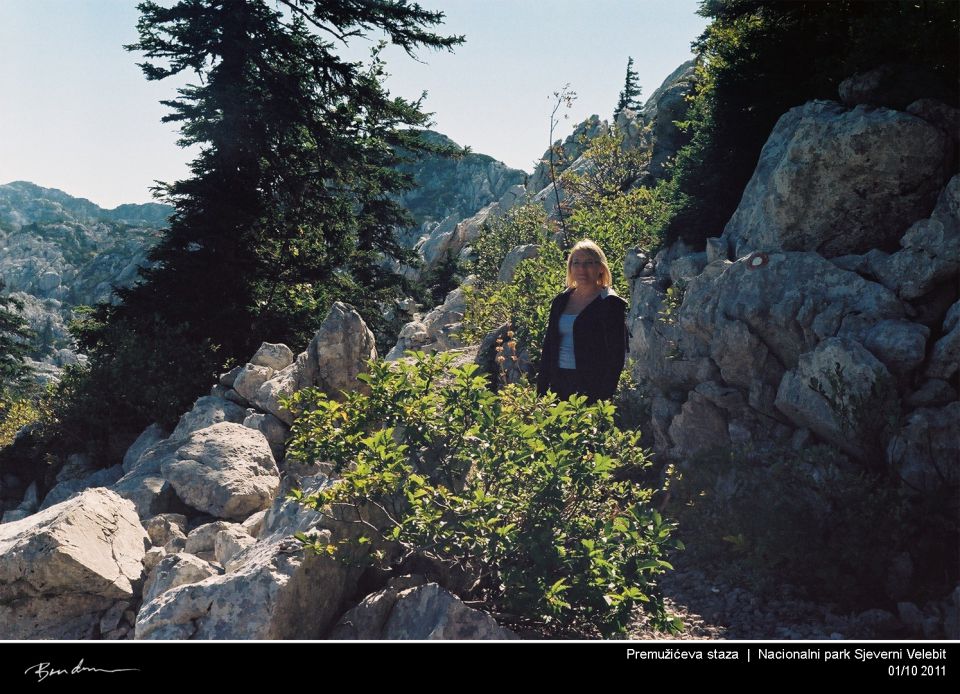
{"x": 522, "y": 494}
{"x": 759, "y": 59}
{"x": 291, "y": 200}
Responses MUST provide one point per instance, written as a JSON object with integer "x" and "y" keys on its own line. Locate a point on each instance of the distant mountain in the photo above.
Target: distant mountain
{"x": 453, "y": 188}
{"x": 24, "y": 203}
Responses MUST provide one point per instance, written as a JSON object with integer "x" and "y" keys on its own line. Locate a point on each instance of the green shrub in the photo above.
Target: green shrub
{"x": 524, "y": 495}
{"x": 14, "y": 414}
{"x": 523, "y": 224}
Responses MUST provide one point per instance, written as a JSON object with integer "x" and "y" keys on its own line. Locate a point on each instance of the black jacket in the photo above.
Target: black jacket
{"x": 599, "y": 343}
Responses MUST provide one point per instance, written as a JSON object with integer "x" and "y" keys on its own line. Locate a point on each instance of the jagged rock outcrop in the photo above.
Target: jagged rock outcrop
{"x": 63, "y": 569}
{"x": 226, "y": 470}
{"x": 447, "y": 190}
{"x": 666, "y": 106}
{"x": 454, "y": 238}
{"x": 799, "y": 334}
{"x": 566, "y": 152}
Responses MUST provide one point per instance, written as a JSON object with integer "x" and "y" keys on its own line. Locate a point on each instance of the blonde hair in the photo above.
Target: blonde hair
{"x": 606, "y": 279}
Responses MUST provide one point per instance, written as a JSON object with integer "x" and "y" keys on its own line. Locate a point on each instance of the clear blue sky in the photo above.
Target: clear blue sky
{"x": 77, "y": 114}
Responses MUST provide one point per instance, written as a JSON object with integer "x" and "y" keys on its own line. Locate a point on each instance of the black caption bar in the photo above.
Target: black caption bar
{"x": 58, "y": 665}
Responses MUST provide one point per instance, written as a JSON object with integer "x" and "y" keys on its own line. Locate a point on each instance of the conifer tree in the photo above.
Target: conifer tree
{"x": 289, "y": 205}
{"x": 631, "y": 92}
{"x": 14, "y": 344}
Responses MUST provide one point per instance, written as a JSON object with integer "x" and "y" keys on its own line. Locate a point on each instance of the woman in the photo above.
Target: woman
{"x": 585, "y": 346}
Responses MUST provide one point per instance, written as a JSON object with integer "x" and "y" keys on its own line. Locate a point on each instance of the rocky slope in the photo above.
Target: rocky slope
{"x": 191, "y": 537}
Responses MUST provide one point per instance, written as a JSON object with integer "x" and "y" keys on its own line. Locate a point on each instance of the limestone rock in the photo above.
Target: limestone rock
{"x": 274, "y": 356}
{"x": 666, "y": 106}
{"x": 429, "y": 612}
{"x": 884, "y": 172}
{"x": 930, "y": 249}
{"x": 207, "y": 411}
{"x": 367, "y": 620}
{"x": 226, "y": 469}
{"x": 165, "y": 526}
{"x": 230, "y": 542}
{"x": 893, "y": 84}
{"x": 176, "y": 570}
{"x": 62, "y": 568}
{"x": 437, "y": 330}
{"x": 250, "y": 379}
{"x": 926, "y": 451}
{"x": 899, "y": 344}
{"x": 933, "y": 393}
{"x": 272, "y": 589}
{"x": 150, "y": 436}
{"x": 71, "y": 487}
{"x": 302, "y": 373}
{"x": 509, "y": 266}
{"x": 227, "y": 379}
{"x": 805, "y": 407}
{"x": 945, "y": 356}
{"x": 341, "y": 349}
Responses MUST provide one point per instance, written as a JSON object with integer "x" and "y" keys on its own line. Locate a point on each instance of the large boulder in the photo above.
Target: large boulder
{"x": 509, "y": 265}
{"x": 565, "y": 153}
{"x": 884, "y": 171}
{"x": 341, "y": 349}
{"x": 144, "y": 483}
{"x": 206, "y": 411}
{"x": 338, "y": 352}
{"x": 226, "y": 470}
{"x": 176, "y": 570}
{"x": 62, "y": 569}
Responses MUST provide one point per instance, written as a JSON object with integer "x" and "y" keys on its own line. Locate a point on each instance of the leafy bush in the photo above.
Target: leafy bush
{"x": 525, "y": 495}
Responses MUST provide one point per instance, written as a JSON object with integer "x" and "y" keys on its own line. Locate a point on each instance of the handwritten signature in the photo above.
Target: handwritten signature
{"x": 43, "y": 670}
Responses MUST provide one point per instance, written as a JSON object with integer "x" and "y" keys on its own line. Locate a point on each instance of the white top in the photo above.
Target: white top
{"x": 566, "y": 360}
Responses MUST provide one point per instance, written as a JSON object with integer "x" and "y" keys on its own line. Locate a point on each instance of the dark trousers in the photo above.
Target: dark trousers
{"x": 567, "y": 382}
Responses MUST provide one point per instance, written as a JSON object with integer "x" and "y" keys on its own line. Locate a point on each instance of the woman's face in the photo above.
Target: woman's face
{"x": 586, "y": 269}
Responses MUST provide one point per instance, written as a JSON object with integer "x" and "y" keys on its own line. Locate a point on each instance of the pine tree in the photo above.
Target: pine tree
{"x": 15, "y": 335}
{"x": 631, "y": 92}
{"x": 289, "y": 206}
